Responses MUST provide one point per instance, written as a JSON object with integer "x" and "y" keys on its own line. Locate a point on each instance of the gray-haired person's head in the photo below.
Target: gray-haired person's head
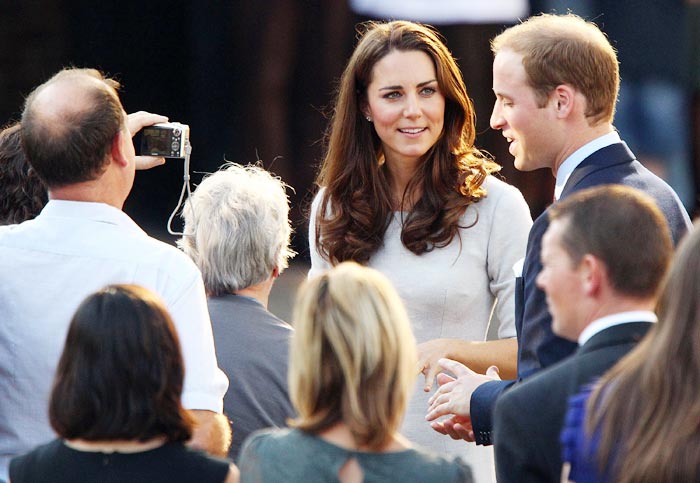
{"x": 240, "y": 229}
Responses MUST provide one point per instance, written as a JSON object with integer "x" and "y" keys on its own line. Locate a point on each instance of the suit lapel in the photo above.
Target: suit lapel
{"x": 612, "y": 155}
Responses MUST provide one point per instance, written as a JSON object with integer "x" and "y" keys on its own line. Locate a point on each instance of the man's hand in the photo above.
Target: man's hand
{"x": 212, "y": 432}
{"x": 454, "y": 398}
{"x": 137, "y": 121}
{"x": 456, "y": 427}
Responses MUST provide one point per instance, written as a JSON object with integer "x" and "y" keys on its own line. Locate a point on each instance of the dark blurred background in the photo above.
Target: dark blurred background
{"x": 253, "y": 79}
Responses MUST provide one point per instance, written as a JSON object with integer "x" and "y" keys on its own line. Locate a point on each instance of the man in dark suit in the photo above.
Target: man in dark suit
{"x": 556, "y": 80}
{"x": 604, "y": 255}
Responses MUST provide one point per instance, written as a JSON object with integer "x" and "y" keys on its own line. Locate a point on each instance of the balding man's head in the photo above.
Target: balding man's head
{"x": 68, "y": 126}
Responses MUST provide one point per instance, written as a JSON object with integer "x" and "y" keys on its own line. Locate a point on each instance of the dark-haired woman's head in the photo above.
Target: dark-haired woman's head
{"x": 401, "y": 102}
{"x": 121, "y": 372}
{"x": 22, "y": 193}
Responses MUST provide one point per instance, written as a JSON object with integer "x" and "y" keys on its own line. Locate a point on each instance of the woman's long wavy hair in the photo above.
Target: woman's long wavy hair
{"x": 356, "y": 205}
{"x": 646, "y": 409}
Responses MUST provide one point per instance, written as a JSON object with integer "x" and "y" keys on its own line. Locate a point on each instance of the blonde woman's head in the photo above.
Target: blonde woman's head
{"x": 353, "y": 355}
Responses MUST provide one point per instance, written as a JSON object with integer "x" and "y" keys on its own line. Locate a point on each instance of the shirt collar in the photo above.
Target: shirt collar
{"x": 86, "y": 210}
{"x": 577, "y": 157}
{"x": 608, "y": 321}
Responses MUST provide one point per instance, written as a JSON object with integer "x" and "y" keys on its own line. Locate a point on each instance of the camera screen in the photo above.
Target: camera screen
{"x": 156, "y": 141}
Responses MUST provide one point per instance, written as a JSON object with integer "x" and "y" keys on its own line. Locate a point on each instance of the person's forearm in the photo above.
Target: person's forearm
{"x": 212, "y": 433}
{"x": 478, "y": 356}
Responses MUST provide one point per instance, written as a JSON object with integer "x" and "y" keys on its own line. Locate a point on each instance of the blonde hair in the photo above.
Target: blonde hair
{"x": 566, "y": 49}
{"x": 352, "y": 356}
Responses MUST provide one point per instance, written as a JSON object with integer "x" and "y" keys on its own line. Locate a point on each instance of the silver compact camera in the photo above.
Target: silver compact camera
{"x": 166, "y": 139}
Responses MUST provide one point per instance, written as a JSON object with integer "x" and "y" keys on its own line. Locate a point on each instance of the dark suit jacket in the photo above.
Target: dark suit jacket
{"x": 528, "y": 419}
{"x": 538, "y": 347}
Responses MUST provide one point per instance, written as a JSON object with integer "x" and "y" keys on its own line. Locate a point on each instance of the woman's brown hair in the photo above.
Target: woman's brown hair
{"x": 121, "y": 372}
{"x": 22, "y": 194}
{"x": 356, "y": 204}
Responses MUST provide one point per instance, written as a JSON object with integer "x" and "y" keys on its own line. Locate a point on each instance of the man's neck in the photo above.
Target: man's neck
{"x": 89, "y": 191}
{"x": 579, "y": 137}
{"x": 259, "y": 292}
{"x": 624, "y": 304}
{"x": 614, "y": 319}
{"x": 616, "y": 305}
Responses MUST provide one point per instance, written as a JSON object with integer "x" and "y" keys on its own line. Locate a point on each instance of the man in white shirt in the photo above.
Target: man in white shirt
{"x": 604, "y": 256}
{"x": 77, "y": 138}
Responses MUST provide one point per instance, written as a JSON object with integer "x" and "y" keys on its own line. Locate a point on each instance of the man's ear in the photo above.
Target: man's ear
{"x": 593, "y": 273}
{"x": 117, "y": 149}
{"x": 564, "y": 98}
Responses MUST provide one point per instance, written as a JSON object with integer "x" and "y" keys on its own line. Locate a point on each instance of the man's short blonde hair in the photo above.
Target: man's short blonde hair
{"x": 566, "y": 49}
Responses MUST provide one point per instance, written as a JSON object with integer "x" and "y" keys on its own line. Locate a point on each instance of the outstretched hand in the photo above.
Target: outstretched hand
{"x": 137, "y": 121}
{"x": 453, "y": 398}
{"x": 428, "y": 355}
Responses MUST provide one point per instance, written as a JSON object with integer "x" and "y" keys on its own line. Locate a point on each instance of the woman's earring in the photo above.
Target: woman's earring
{"x": 368, "y": 118}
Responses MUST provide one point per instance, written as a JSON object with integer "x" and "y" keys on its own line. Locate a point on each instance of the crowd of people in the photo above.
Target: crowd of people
{"x": 127, "y": 359}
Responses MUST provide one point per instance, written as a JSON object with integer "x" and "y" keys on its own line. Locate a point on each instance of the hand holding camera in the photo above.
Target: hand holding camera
{"x": 135, "y": 122}
{"x": 156, "y": 139}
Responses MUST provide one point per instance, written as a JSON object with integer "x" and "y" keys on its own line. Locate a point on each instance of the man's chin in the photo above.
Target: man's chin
{"x": 522, "y": 165}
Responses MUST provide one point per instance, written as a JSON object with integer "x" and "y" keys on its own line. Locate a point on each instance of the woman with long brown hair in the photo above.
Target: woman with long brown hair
{"x": 404, "y": 190}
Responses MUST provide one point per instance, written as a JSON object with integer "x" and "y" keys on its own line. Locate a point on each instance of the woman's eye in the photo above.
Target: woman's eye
{"x": 428, "y": 91}
{"x": 392, "y": 95}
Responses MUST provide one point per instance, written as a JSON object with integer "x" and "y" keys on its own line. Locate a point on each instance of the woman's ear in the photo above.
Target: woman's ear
{"x": 366, "y": 111}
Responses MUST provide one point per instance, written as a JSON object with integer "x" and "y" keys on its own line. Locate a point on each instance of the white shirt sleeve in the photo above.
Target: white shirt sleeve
{"x": 205, "y": 384}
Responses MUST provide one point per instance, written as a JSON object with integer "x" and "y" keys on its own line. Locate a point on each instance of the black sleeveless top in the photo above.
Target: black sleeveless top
{"x": 171, "y": 463}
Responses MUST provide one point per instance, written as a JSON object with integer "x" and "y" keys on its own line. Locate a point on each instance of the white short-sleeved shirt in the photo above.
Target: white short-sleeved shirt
{"x": 47, "y": 267}
{"x": 454, "y": 292}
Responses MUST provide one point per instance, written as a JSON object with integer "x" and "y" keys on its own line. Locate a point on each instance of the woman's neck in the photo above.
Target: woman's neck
{"x": 401, "y": 174}
{"x": 341, "y": 436}
{"x": 118, "y": 445}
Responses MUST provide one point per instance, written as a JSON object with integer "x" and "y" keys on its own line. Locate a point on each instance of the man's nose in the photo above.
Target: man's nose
{"x": 497, "y": 121}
